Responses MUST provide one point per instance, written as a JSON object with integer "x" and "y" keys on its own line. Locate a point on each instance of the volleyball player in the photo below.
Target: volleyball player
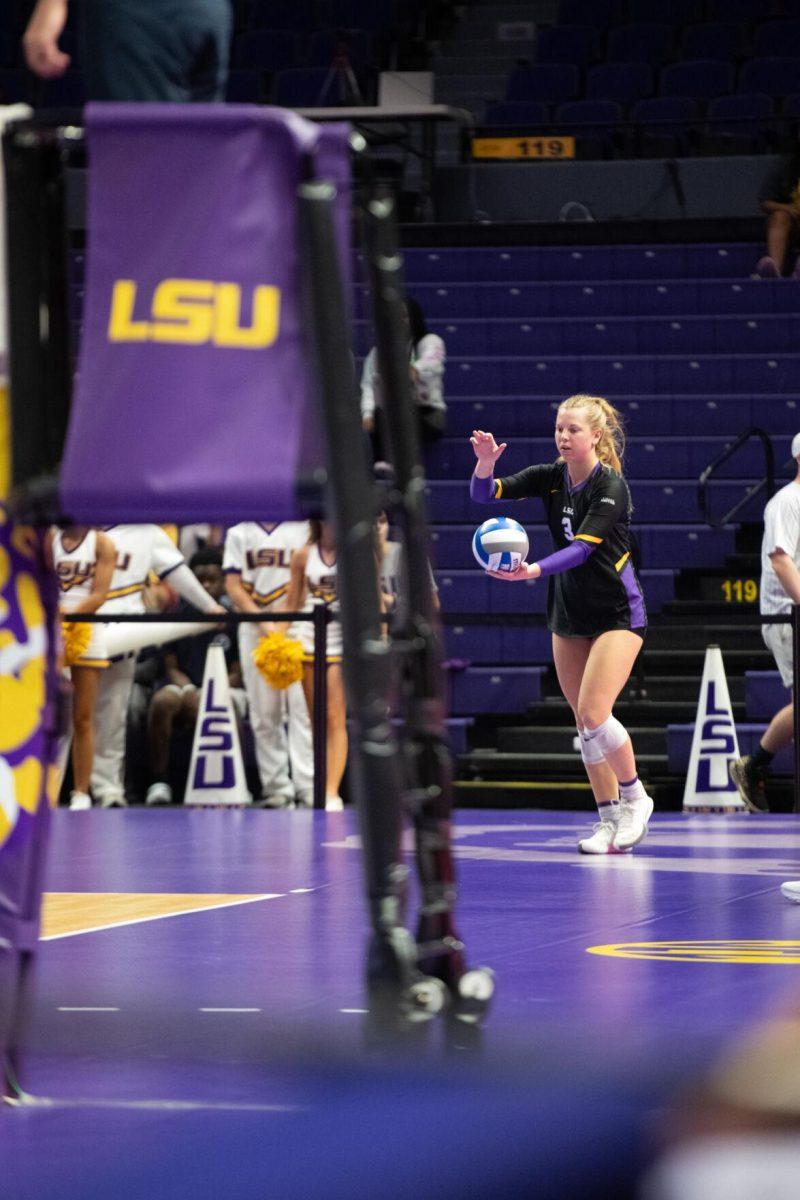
{"x": 83, "y": 560}
{"x": 595, "y": 607}
{"x": 313, "y": 581}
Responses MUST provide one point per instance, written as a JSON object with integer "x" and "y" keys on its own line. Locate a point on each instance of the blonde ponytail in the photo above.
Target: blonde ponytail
{"x": 604, "y": 417}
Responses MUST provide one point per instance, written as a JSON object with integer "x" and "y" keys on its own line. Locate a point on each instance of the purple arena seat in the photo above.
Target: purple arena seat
{"x": 764, "y": 694}
{"x": 267, "y": 50}
{"x": 774, "y": 76}
{"x": 495, "y": 689}
{"x": 666, "y": 12}
{"x": 742, "y": 121}
{"x": 549, "y": 82}
{"x": 282, "y": 14}
{"x": 593, "y": 122}
{"x": 700, "y": 79}
{"x": 576, "y": 44}
{"x": 624, "y": 82}
{"x": 735, "y": 10}
{"x": 517, "y": 112}
{"x": 664, "y": 124}
{"x": 600, "y": 13}
{"x": 791, "y": 107}
{"x": 644, "y": 43}
{"x": 713, "y": 41}
{"x": 373, "y": 15}
{"x": 777, "y": 39}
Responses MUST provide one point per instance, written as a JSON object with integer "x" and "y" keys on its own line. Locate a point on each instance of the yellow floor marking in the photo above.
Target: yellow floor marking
{"x": 65, "y": 914}
{"x": 783, "y": 953}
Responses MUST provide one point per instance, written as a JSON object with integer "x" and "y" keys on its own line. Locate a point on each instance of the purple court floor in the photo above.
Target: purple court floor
{"x": 201, "y": 974}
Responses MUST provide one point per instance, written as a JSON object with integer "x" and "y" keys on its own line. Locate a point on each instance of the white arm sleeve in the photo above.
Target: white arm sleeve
{"x": 368, "y": 385}
{"x": 165, "y": 555}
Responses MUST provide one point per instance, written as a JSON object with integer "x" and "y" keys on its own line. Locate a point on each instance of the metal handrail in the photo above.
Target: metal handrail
{"x": 767, "y": 482}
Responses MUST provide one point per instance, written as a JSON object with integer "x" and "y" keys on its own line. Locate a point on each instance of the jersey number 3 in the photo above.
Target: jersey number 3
{"x": 568, "y": 534}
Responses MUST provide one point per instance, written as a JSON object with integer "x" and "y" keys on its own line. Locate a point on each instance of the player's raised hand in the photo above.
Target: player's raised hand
{"x": 525, "y": 573}
{"x": 486, "y": 448}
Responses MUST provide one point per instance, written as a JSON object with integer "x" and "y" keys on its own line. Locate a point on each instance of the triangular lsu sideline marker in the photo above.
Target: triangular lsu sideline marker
{"x": 216, "y": 772}
{"x": 714, "y": 744}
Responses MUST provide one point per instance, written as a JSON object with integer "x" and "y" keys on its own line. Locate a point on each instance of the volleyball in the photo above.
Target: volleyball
{"x": 500, "y": 544}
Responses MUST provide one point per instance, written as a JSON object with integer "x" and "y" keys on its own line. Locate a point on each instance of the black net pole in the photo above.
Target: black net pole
{"x": 319, "y": 715}
{"x": 38, "y": 324}
{"x": 796, "y": 708}
{"x": 374, "y": 753}
{"x": 427, "y": 750}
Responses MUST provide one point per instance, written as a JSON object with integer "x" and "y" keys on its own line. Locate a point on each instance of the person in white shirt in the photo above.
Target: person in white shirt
{"x": 426, "y": 359}
{"x": 313, "y": 582}
{"x": 141, "y": 549}
{"x": 256, "y": 563}
{"x": 780, "y": 590}
{"x": 83, "y": 560}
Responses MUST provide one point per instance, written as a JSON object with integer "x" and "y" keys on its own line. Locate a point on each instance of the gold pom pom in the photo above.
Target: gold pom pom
{"x": 279, "y": 659}
{"x": 77, "y": 635}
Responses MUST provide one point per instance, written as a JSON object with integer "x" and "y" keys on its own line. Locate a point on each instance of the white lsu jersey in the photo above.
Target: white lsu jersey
{"x": 140, "y": 550}
{"x": 261, "y": 554}
{"x": 74, "y": 569}
{"x": 320, "y": 589}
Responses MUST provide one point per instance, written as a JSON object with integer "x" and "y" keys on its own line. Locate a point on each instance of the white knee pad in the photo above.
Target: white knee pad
{"x": 590, "y": 751}
{"x": 607, "y": 737}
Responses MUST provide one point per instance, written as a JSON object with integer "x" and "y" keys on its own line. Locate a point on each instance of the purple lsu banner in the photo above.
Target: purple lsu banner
{"x": 196, "y": 394}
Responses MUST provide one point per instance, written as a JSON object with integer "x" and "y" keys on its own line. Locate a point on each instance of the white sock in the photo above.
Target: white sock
{"x": 632, "y": 790}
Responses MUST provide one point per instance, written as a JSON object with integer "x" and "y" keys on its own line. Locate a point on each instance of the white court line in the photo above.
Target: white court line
{"x": 154, "y": 1105}
{"x": 353, "y": 1010}
{"x": 160, "y": 916}
{"x": 229, "y": 1010}
{"x": 86, "y": 1008}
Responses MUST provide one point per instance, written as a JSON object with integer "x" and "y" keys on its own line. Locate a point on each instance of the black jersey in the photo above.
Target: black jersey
{"x": 604, "y": 592}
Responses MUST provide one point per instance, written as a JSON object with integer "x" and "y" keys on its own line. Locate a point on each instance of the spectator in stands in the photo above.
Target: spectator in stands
{"x": 391, "y": 570}
{"x": 256, "y": 563}
{"x": 595, "y": 606}
{"x": 426, "y": 358}
{"x": 780, "y": 589}
{"x": 780, "y": 200}
{"x": 138, "y": 49}
{"x": 141, "y": 550}
{"x": 313, "y": 582}
{"x": 176, "y": 699}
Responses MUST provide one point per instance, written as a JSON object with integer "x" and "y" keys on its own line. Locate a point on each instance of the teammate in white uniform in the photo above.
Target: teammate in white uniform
{"x": 83, "y": 560}
{"x": 256, "y": 563}
{"x": 313, "y": 582}
{"x": 141, "y": 549}
{"x": 780, "y": 589}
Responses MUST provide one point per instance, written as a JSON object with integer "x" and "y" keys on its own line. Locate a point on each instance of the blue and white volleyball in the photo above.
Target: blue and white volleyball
{"x": 500, "y": 544}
